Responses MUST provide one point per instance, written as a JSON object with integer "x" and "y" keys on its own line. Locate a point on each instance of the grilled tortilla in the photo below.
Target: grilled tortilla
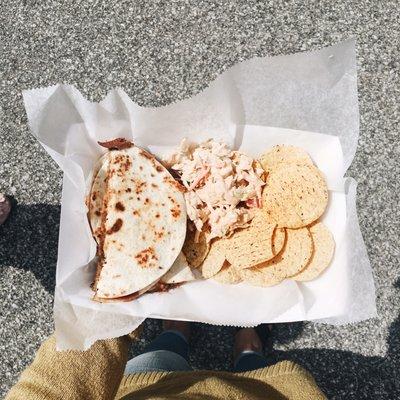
{"x": 138, "y": 218}
{"x": 180, "y": 272}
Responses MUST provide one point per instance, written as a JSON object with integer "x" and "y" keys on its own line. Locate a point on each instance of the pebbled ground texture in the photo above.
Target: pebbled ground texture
{"x": 161, "y": 51}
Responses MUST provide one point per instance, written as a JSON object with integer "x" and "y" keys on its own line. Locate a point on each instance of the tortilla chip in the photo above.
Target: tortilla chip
{"x": 228, "y": 275}
{"x": 294, "y": 195}
{"x": 324, "y": 246}
{"x": 278, "y": 240}
{"x": 253, "y": 245}
{"x": 284, "y": 154}
{"x": 297, "y": 252}
{"x": 195, "y": 253}
{"x": 293, "y": 259}
{"x": 266, "y": 274}
{"x": 215, "y": 259}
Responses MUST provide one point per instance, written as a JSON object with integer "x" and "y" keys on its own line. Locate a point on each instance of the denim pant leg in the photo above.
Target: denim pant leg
{"x": 167, "y": 352}
{"x": 249, "y": 360}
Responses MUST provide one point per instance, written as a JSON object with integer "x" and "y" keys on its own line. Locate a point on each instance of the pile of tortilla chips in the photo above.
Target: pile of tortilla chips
{"x": 285, "y": 239}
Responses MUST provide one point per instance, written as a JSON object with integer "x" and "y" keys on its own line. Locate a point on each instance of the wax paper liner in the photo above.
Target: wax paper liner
{"x": 292, "y": 96}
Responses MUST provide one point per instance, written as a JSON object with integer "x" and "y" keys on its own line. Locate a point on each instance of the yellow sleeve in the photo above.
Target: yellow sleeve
{"x": 92, "y": 374}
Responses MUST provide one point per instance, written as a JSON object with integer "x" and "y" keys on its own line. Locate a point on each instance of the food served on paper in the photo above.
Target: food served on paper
{"x": 247, "y": 220}
{"x": 138, "y": 218}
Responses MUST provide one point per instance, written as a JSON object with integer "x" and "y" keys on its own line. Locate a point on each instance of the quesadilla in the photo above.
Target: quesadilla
{"x": 180, "y": 272}
{"x": 138, "y": 218}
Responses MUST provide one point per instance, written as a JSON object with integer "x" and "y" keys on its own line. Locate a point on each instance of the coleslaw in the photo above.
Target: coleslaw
{"x": 223, "y": 186}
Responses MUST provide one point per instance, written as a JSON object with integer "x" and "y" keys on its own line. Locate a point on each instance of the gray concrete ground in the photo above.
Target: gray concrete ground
{"x": 160, "y": 51}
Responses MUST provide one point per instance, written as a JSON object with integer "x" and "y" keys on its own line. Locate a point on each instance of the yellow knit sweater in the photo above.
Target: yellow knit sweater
{"x": 98, "y": 374}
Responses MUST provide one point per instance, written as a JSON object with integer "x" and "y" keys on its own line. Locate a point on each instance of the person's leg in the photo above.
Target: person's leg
{"x": 167, "y": 352}
{"x": 248, "y": 351}
{"x": 171, "y": 340}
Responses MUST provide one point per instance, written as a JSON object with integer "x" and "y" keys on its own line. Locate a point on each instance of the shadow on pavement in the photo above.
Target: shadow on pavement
{"x": 29, "y": 241}
{"x": 347, "y": 375}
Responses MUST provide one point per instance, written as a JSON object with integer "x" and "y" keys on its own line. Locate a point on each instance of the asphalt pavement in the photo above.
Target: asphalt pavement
{"x": 163, "y": 51}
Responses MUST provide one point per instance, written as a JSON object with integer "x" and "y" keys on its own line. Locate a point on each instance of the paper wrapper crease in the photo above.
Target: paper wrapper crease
{"x": 305, "y": 99}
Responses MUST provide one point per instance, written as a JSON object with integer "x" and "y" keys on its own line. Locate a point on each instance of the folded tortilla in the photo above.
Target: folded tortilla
{"x": 138, "y": 218}
{"x": 180, "y": 272}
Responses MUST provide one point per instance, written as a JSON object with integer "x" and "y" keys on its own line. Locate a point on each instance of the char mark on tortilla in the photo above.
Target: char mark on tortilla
{"x": 116, "y": 227}
{"x": 119, "y": 206}
{"x": 146, "y": 258}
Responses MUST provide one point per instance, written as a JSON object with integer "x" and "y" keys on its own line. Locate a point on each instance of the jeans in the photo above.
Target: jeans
{"x": 170, "y": 352}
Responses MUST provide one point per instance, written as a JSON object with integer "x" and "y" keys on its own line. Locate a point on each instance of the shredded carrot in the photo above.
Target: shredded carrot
{"x": 255, "y": 202}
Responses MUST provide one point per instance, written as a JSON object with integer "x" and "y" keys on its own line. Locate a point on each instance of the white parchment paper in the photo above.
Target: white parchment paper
{"x": 306, "y": 99}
